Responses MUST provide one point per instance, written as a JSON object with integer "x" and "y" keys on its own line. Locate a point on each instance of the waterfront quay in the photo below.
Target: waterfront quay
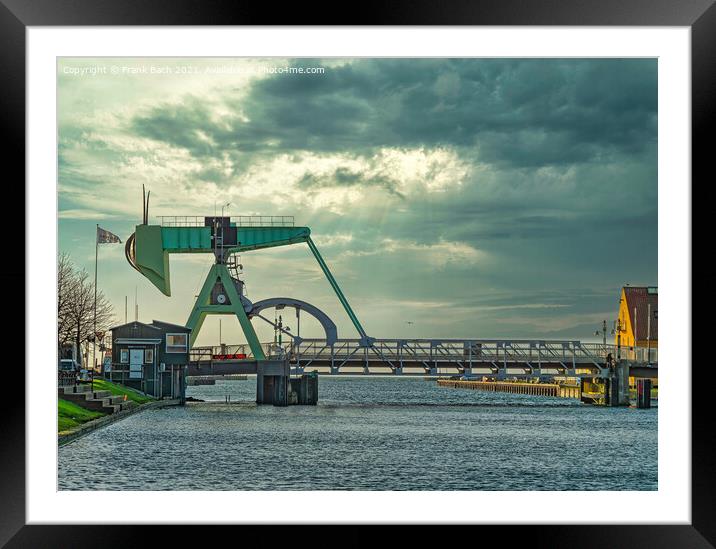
{"x": 562, "y": 390}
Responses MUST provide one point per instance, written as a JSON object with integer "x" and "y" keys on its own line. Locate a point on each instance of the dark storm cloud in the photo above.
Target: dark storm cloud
{"x": 343, "y": 177}
{"x": 549, "y": 175}
{"x": 182, "y": 126}
{"x": 568, "y": 199}
{"x": 513, "y": 112}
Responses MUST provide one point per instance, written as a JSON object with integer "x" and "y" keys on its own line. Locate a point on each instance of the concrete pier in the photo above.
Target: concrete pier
{"x": 304, "y": 390}
{"x": 272, "y": 382}
{"x": 620, "y": 384}
{"x": 274, "y": 385}
{"x": 608, "y": 391}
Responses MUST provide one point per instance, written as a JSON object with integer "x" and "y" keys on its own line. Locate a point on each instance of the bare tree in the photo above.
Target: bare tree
{"x": 66, "y": 287}
{"x": 76, "y": 305}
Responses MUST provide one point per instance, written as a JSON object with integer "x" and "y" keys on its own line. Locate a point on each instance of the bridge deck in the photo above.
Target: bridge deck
{"x": 499, "y": 358}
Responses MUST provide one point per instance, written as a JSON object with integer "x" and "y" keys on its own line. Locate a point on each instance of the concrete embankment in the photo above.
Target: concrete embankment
{"x": 86, "y": 428}
{"x": 538, "y": 389}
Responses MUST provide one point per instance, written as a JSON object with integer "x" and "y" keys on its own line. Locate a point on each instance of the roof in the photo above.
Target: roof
{"x": 135, "y": 323}
{"x": 641, "y": 298}
{"x": 163, "y": 325}
{"x": 155, "y": 325}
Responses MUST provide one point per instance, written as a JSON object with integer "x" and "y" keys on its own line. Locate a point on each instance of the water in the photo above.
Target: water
{"x": 369, "y": 434}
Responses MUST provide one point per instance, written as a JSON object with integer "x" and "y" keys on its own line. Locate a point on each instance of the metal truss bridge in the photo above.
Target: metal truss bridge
{"x": 431, "y": 357}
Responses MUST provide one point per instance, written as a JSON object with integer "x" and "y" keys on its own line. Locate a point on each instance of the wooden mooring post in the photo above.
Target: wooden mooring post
{"x": 643, "y": 393}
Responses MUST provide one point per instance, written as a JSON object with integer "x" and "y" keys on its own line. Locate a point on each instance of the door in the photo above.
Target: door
{"x": 136, "y": 358}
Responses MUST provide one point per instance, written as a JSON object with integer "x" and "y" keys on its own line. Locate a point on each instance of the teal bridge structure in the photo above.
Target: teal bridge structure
{"x": 149, "y": 248}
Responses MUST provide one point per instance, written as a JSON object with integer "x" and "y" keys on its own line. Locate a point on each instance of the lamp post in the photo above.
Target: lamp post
{"x": 216, "y": 231}
{"x": 91, "y": 338}
{"x": 618, "y": 329}
{"x": 603, "y": 333}
{"x": 280, "y": 325}
{"x": 648, "y": 334}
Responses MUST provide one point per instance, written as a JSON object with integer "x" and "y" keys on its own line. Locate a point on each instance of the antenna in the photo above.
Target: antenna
{"x": 146, "y": 209}
{"x": 136, "y": 306}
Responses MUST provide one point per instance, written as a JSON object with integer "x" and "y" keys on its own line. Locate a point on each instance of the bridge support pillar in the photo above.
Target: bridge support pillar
{"x": 272, "y": 382}
{"x": 304, "y": 389}
{"x": 611, "y": 389}
{"x": 619, "y": 386}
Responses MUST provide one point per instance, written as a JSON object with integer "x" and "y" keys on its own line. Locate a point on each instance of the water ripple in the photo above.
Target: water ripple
{"x": 369, "y": 434}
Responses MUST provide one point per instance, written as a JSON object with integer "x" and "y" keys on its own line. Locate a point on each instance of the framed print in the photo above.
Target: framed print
{"x": 397, "y": 270}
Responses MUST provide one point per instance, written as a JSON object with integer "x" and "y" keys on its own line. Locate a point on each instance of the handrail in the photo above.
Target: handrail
{"x": 517, "y": 351}
{"x": 238, "y": 220}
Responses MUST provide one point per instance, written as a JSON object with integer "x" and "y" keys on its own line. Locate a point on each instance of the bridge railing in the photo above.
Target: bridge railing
{"x": 428, "y": 353}
{"x": 199, "y": 354}
{"x": 238, "y": 220}
{"x": 459, "y": 352}
{"x": 639, "y": 354}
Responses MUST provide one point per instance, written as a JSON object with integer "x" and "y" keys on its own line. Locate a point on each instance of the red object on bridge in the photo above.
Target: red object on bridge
{"x": 233, "y": 356}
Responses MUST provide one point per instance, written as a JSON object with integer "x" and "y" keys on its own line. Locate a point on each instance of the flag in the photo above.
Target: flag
{"x": 105, "y": 237}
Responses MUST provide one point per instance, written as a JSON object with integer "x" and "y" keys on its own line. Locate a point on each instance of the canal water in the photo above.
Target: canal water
{"x": 369, "y": 434}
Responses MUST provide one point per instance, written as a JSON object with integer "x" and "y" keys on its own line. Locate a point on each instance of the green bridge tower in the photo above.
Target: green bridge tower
{"x": 149, "y": 247}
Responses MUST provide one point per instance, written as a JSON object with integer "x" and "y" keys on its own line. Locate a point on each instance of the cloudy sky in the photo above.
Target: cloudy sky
{"x": 451, "y": 197}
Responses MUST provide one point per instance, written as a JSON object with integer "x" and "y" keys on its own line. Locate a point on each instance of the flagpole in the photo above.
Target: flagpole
{"x": 94, "y": 322}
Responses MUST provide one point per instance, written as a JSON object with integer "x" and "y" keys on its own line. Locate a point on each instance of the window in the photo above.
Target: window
{"x": 124, "y": 356}
{"x": 177, "y": 343}
{"x": 148, "y": 356}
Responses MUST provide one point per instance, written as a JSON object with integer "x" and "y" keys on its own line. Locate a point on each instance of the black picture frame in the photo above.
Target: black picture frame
{"x": 699, "y": 15}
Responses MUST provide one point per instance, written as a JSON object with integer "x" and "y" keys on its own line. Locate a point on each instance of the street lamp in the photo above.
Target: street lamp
{"x": 90, "y": 339}
{"x": 603, "y": 333}
{"x": 619, "y": 327}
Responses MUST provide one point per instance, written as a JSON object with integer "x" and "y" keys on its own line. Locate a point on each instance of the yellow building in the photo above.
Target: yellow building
{"x": 638, "y": 317}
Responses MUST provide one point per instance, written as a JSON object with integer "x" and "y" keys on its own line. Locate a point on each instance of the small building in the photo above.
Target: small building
{"x": 151, "y": 358}
{"x": 639, "y": 320}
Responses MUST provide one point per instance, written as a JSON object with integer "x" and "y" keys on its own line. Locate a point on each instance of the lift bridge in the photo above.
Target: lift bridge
{"x": 497, "y": 359}
{"x": 148, "y": 250}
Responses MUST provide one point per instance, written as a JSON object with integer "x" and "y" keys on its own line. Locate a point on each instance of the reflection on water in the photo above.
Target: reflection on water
{"x": 369, "y": 434}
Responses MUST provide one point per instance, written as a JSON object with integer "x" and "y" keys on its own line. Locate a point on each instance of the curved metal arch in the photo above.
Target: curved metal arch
{"x": 130, "y": 252}
{"x": 328, "y": 325}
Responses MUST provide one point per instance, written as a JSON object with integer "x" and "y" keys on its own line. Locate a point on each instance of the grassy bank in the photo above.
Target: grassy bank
{"x": 117, "y": 389}
{"x": 70, "y": 415}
